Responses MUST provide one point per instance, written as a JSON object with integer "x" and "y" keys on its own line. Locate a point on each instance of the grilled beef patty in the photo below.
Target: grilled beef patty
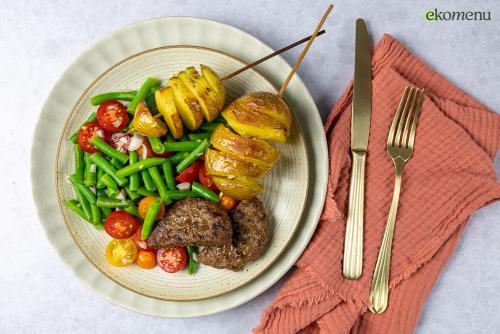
{"x": 192, "y": 222}
{"x": 250, "y": 238}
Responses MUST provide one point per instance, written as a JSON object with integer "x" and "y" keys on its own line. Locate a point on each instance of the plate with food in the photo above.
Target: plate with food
{"x": 179, "y": 185}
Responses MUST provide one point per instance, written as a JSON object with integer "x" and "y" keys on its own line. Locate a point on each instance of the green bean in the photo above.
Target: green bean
{"x": 100, "y": 173}
{"x": 193, "y": 156}
{"x": 181, "y": 146}
{"x": 132, "y": 209}
{"x": 192, "y": 265}
{"x": 105, "y": 211}
{"x": 100, "y": 226}
{"x": 108, "y": 149}
{"x": 117, "y": 164}
{"x": 138, "y": 166}
{"x": 79, "y": 163}
{"x": 96, "y": 214}
{"x": 160, "y": 185}
{"x": 108, "y": 181}
{"x": 178, "y": 157}
{"x": 91, "y": 118}
{"x": 90, "y": 174}
{"x": 144, "y": 192}
{"x": 147, "y": 180}
{"x": 84, "y": 203}
{"x": 85, "y": 191}
{"x": 134, "y": 181}
{"x": 205, "y": 192}
{"x": 142, "y": 93}
{"x": 113, "y": 203}
{"x": 200, "y": 135}
{"x": 131, "y": 194}
{"x": 150, "y": 99}
{"x": 168, "y": 173}
{"x": 177, "y": 195}
{"x": 156, "y": 145}
{"x": 127, "y": 128}
{"x": 73, "y": 205}
{"x": 219, "y": 119}
{"x": 169, "y": 138}
{"x": 103, "y": 163}
{"x": 122, "y": 96}
{"x": 150, "y": 218}
{"x": 185, "y": 137}
{"x": 208, "y": 126}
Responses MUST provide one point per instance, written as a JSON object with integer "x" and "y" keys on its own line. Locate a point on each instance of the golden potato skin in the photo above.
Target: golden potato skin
{"x": 146, "y": 124}
{"x": 215, "y": 82}
{"x": 268, "y": 104}
{"x": 187, "y": 104}
{"x": 220, "y": 164}
{"x": 250, "y": 123}
{"x": 252, "y": 150}
{"x": 240, "y": 188}
{"x": 204, "y": 93}
{"x": 166, "y": 106}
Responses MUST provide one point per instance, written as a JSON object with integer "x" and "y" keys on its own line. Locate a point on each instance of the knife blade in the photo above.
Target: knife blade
{"x": 360, "y": 131}
{"x": 362, "y": 93}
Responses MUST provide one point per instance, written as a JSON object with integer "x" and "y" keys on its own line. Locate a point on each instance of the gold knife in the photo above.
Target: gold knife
{"x": 360, "y": 130}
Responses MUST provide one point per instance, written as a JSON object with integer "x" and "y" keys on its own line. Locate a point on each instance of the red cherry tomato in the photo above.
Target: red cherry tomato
{"x": 121, "y": 225}
{"x": 140, "y": 242}
{"x": 172, "y": 259}
{"x": 112, "y": 115}
{"x": 86, "y": 133}
{"x": 190, "y": 174}
{"x": 206, "y": 179}
{"x": 120, "y": 141}
{"x": 164, "y": 154}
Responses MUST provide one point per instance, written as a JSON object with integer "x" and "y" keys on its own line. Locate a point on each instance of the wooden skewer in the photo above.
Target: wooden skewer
{"x": 306, "y": 48}
{"x": 263, "y": 59}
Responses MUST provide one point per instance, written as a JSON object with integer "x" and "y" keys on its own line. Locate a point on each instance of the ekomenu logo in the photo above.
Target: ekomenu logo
{"x": 438, "y": 15}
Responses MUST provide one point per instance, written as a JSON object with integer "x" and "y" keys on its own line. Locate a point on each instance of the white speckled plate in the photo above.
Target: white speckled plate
{"x": 286, "y": 198}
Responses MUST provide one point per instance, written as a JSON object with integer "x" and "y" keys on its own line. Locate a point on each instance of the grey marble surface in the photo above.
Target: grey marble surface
{"x": 39, "y": 39}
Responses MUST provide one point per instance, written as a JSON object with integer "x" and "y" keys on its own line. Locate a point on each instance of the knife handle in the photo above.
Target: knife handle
{"x": 353, "y": 243}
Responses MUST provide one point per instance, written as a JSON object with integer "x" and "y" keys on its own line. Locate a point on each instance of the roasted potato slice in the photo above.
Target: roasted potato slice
{"x": 187, "y": 104}
{"x": 218, "y": 163}
{"x": 146, "y": 124}
{"x": 269, "y": 104}
{"x": 250, "y": 123}
{"x": 215, "y": 82}
{"x": 240, "y": 188}
{"x": 166, "y": 106}
{"x": 204, "y": 93}
{"x": 252, "y": 150}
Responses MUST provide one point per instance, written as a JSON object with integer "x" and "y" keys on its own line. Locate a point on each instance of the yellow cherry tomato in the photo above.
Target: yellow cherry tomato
{"x": 228, "y": 203}
{"x": 121, "y": 252}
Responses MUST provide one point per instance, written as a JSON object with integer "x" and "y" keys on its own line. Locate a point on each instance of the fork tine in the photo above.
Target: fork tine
{"x": 409, "y": 119}
{"x": 411, "y": 140}
{"x": 392, "y": 130}
{"x": 404, "y": 115}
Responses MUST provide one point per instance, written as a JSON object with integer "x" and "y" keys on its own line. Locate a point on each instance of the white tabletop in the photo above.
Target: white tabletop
{"x": 39, "y": 39}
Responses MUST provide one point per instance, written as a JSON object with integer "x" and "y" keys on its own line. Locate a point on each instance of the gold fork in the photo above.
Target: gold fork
{"x": 400, "y": 144}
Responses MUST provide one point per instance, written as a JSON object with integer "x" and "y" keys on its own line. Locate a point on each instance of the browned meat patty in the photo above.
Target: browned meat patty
{"x": 250, "y": 238}
{"x": 192, "y": 222}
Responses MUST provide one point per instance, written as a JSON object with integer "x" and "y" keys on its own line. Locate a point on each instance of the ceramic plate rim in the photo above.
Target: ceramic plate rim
{"x": 121, "y": 296}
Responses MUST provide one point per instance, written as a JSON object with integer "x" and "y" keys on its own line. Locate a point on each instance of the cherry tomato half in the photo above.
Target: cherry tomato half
{"x": 112, "y": 115}
{"x": 190, "y": 174}
{"x": 145, "y": 259}
{"x": 172, "y": 259}
{"x": 121, "y": 225}
{"x": 121, "y": 253}
{"x": 120, "y": 141}
{"x": 144, "y": 205}
{"x": 86, "y": 133}
{"x": 145, "y": 151}
{"x": 206, "y": 179}
{"x": 140, "y": 242}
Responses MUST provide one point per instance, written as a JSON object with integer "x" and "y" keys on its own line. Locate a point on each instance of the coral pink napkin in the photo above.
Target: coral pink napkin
{"x": 450, "y": 175}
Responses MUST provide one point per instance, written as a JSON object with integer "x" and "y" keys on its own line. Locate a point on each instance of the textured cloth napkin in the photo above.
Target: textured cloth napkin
{"x": 450, "y": 175}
